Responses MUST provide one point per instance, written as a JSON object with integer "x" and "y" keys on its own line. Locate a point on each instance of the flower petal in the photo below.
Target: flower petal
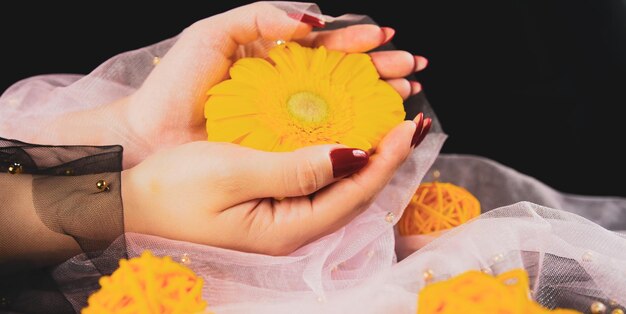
{"x": 261, "y": 138}
{"x": 231, "y": 129}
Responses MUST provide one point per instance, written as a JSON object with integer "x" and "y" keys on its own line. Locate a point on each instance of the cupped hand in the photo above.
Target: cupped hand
{"x": 168, "y": 109}
{"x": 230, "y": 196}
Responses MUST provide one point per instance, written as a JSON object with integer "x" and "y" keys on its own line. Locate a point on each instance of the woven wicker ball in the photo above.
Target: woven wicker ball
{"x": 437, "y": 206}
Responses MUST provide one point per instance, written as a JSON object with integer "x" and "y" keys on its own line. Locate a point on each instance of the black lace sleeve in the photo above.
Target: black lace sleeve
{"x": 57, "y": 202}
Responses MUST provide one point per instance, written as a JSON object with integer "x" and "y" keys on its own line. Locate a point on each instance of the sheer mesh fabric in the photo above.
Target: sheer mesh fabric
{"x": 50, "y": 199}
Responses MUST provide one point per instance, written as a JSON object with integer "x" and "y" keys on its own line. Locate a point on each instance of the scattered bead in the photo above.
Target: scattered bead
{"x": 185, "y": 259}
{"x": 428, "y": 275}
{"x": 588, "y": 257}
{"x": 156, "y": 60}
{"x": 498, "y": 258}
{"x": 390, "y": 217}
{"x": 597, "y": 308}
{"x": 436, "y": 174}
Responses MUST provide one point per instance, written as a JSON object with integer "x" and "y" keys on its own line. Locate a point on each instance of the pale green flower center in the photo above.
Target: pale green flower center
{"x": 307, "y": 107}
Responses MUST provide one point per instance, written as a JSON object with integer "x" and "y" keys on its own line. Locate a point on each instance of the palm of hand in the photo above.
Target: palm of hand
{"x": 168, "y": 110}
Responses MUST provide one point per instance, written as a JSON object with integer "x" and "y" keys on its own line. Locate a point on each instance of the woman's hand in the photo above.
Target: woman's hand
{"x": 168, "y": 108}
{"x": 234, "y": 197}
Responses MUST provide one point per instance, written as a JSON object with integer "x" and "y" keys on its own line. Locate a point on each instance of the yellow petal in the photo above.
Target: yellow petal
{"x": 253, "y": 70}
{"x": 333, "y": 58}
{"x": 283, "y": 62}
{"x": 261, "y": 138}
{"x": 224, "y": 107}
{"x": 230, "y": 130}
{"x": 355, "y": 70}
{"x": 355, "y": 141}
{"x": 235, "y": 88}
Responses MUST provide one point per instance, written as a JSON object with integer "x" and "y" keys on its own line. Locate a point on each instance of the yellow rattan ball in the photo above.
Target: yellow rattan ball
{"x": 437, "y": 206}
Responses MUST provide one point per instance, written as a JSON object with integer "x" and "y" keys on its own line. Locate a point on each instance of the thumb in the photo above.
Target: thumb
{"x": 297, "y": 173}
{"x": 204, "y": 52}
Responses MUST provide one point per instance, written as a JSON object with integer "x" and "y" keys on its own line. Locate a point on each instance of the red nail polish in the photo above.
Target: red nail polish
{"x": 418, "y": 130}
{"x": 308, "y": 19}
{"x": 416, "y": 87}
{"x": 347, "y": 161}
{"x": 427, "y": 124}
{"x": 420, "y": 63}
{"x": 388, "y": 34}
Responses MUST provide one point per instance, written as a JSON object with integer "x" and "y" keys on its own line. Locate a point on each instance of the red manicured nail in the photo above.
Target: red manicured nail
{"x": 347, "y": 161}
{"x": 419, "y": 121}
{"x": 308, "y": 19}
{"x": 388, "y": 34}
{"x": 427, "y": 123}
{"x": 420, "y": 63}
{"x": 416, "y": 87}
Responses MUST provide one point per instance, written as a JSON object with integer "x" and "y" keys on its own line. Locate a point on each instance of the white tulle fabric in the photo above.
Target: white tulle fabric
{"x": 355, "y": 270}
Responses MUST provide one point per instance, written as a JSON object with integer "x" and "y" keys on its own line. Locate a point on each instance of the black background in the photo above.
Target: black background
{"x": 536, "y": 85}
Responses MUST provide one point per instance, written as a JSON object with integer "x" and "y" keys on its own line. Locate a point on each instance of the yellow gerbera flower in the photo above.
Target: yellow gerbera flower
{"x": 300, "y": 97}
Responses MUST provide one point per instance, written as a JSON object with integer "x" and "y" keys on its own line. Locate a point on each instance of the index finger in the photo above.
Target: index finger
{"x": 355, "y": 38}
{"x": 336, "y": 205}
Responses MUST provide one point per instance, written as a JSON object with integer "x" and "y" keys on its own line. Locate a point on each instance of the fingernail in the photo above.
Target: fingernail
{"x": 388, "y": 34}
{"x": 308, "y": 19}
{"x": 419, "y": 122}
{"x": 347, "y": 161}
{"x": 427, "y": 123}
{"x": 416, "y": 87}
{"x": 420, "y": 63}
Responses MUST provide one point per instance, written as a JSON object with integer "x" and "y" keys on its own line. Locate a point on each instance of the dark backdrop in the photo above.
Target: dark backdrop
{"x": 536, "y": 85}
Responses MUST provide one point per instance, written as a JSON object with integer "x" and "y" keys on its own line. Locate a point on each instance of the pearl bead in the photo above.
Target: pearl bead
{"x": 436, "y": 174}
{"x": 597, "y": 307}
{"x": 390, "y": 217}
{"x": 428, "y": 275}
{"x": 185, "y": 259}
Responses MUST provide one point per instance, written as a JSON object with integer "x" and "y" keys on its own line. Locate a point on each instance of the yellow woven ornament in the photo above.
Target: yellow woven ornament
{"x": 475, "y": 292}
{"x": 437, "y": 206}
{"x": 148, "y": 284}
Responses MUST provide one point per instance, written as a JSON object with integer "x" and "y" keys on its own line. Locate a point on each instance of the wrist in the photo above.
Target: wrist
{"x": 128, "y": 201}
